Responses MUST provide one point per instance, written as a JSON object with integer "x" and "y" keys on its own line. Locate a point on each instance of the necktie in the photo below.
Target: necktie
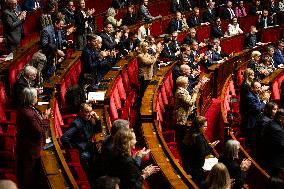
{"x": 177, "y": 25}
{"x": 110, "y": 38}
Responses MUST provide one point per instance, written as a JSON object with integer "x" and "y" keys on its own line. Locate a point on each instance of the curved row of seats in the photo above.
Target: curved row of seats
{"x": 257, "y": 177}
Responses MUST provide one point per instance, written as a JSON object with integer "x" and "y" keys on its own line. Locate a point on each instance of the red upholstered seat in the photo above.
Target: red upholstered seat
{"x": 164, "y": 8}
{"x": 100, "y": 23}
{"x": 125, "y": 80}
{"x": 112, "y": 108}
{"x": 203, "y": 32}
{"x": 78, "y": 173}
{"x": 165, "y": 24}
{"x": 247, "y": 22}
{"x": 120, "y": 87}
{"x": 132, "y": 70}
{"x": 156, "y": 28}
{"x": 153, "y": 9}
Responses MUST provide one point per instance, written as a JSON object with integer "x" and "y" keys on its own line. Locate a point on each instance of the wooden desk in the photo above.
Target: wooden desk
{"x": 269, "y": 79}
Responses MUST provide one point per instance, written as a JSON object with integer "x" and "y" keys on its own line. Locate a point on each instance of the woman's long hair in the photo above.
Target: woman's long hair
{"x": 121, "y": 142}
{"x": 218, "y": 177}
{"x": 195, "y": 130}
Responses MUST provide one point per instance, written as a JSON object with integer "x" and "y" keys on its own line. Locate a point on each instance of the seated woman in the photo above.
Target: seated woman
{"x": 230, "y": 158}
{"x": 265, "y": 68}
{"x": 254, "y": 64}
{"x": 234, "y": 28}
{"x": 218, "y": 178}
{"x": 195, "y": 148}
{"x": 124, "y": 166}
{"x": 110, "y": 18}
{"x": 240, "y": 10}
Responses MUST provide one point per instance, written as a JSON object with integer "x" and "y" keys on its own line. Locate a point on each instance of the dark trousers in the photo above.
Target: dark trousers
{"x": 27, "y": 173}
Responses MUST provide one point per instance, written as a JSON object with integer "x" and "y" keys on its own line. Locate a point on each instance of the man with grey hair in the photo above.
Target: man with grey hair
{"x": 95, "y": 63}
{"x": 25, "y": 80}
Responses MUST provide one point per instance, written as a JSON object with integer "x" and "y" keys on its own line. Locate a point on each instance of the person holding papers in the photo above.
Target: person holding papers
{"x": 195, "y": 149}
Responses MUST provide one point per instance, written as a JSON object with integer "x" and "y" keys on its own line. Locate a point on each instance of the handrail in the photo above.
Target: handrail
{"x": 147, "y": 115}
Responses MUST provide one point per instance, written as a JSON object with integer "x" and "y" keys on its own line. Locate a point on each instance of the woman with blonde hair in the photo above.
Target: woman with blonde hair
{"x": 110, "y": 18}
{"x": 124, "y": 166}
{"x": 218, "y": 178}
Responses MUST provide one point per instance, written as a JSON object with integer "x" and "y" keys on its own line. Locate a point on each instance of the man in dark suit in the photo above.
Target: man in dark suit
{"x": 254, "y": 107}
{"x": 80, "y": 134}
{"x": 130, "y": 17}
{"x": 69, "y": 13}
{"x": 95, "y": 63}
{"x": 31, "y": 5}
{"x": 256, "y": 9}
{"x": 12, "y": 25}
{"x": 83, "y": 23}
{"x": 251, "y": 40}
{"x": 212, "y": 56}
{"x": 229, "y": 12}
{"x": 278, "y": 55}
{"x": 188, "y": 5}
{"x": 176, "y": 6}
{"x": 265, "y": 21}
{"x": 175, "y": 24}
{"x": 52, "y": 36}
{"x": 194, "y": 19}
{"x": 273, "y": 145}
{"x": 167, "y": 51}
{"x": 26, "y": 80}
{"x": 117, "y": 4}
{"x": 209, "y": 15}
{"x": 216, "y": 29}
{"x": 107, "y": 36}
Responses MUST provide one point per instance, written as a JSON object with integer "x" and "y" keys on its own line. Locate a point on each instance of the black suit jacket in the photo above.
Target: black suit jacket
{"x": 127, "y": 170}
{"x": 176, "y": 7}
{"x": 18, "y": 88}
{"x": 80, "y": 22}
{"x": 209, "y": 17}
{"x": 261, "y": 22}
{"x": 174, "y": 25}
{"x": 108, "y": 41}
{"x": 250, "y": 40}
{"x": 216, "y": 32}
{"x": 194, "y": 21}
{"x": 254, "y": 9}
{"x": 129, "y": 19}
{"x": 187, "y": 4}
{"x": 227, "y": 14}
{"x": 274, "y": 145}
{"x": 79, "y": 135}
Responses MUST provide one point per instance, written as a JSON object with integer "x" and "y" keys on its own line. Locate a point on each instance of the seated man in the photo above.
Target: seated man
{"x": 195, "y": 20}
{"x": 190, "y": 37}
{"x": 212, "y": 56}
{"x": 168, "y": 52}
{"x": 144, "y": 30}
{"x": 216, "y": 29}
{"x": 108, "y": 38}
{"x": 265, "y": 20}
{"x": 209, "y": 15}
{"x": 278, "y": 55}
{"x": 251, "y": 40}
{"x": 145, "y": 13}
{"x": 80, "y": 134}
{"x": 229, "y": 13}
{"x": 175, "y": 24}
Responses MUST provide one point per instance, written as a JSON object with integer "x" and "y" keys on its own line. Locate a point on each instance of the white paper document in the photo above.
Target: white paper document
{"x": 209, "y": 163}
{"x": 99, "y": 96}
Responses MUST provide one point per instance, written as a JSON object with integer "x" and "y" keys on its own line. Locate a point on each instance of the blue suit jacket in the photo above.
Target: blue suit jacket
{"x": 51, "y": 38}
{"x": 93, "y": 65}
{"x": 29, "y": 5}
{"x": 278, "y": 57}
{"x": 254, "y": 108}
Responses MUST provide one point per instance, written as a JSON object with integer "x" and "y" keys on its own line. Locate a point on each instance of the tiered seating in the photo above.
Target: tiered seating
{"x": 123, "y": 90}
{"x": 7, "y": 138}
{"x": 275, "y": 81}
{"x": 71, "y": 155}
{"x": 156, "y": 108}
{"x": 11, "y": 69}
